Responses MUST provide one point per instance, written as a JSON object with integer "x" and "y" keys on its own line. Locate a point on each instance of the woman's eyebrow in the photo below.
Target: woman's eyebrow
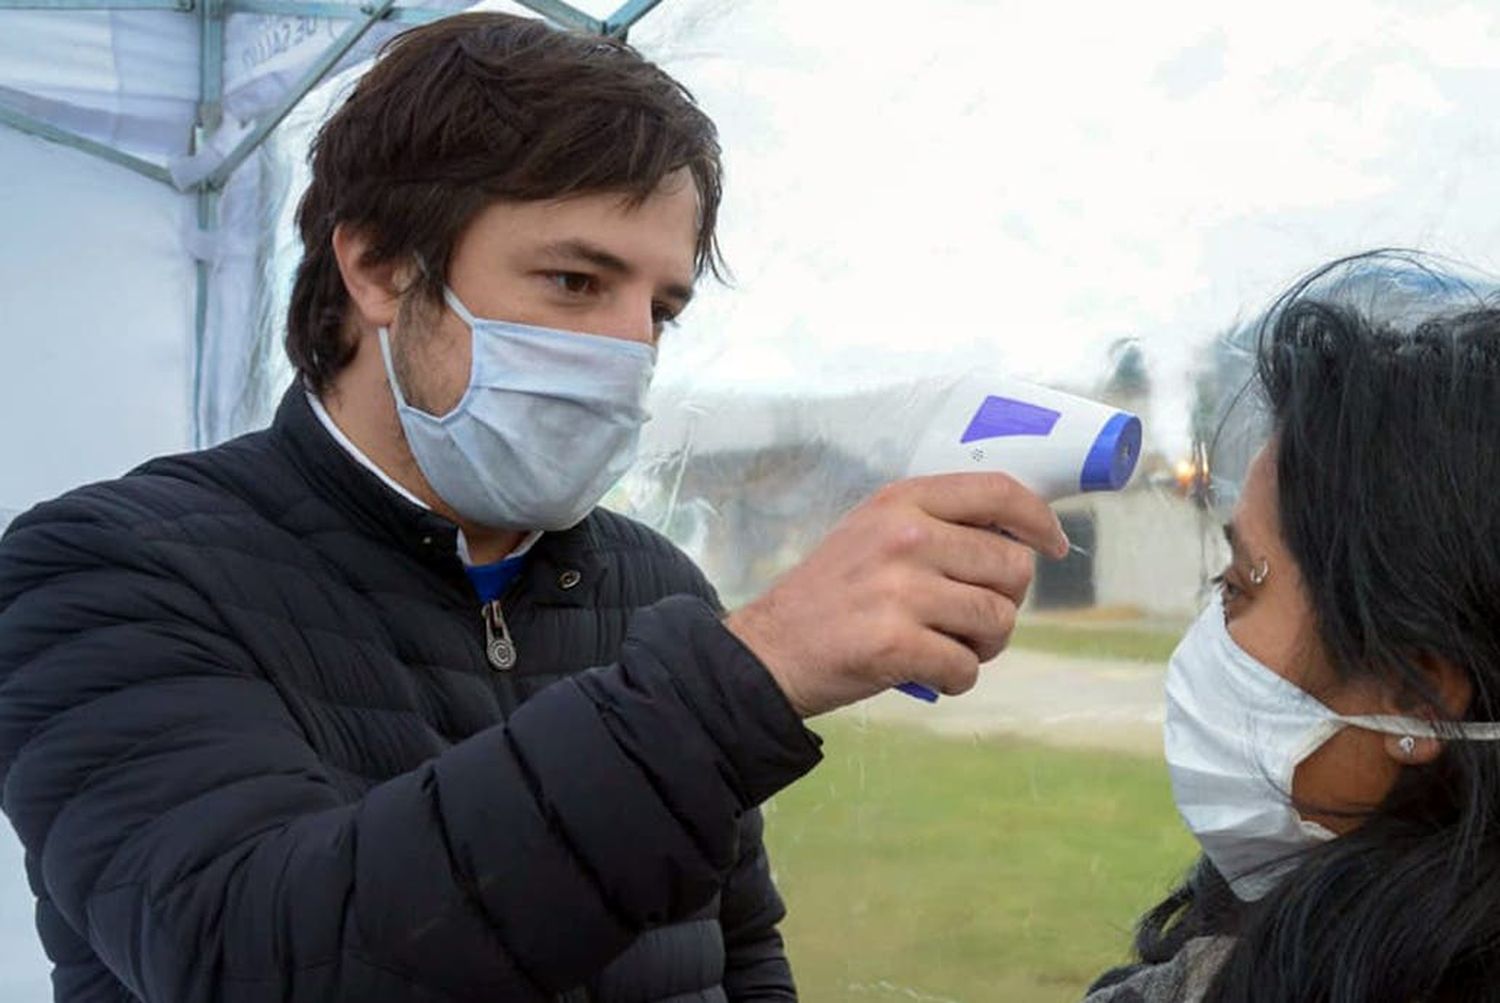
{"x": 1233, "y": 538}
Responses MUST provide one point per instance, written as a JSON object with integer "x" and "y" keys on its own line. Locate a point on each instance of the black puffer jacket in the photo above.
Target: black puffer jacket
{"x": 254, "y": 749}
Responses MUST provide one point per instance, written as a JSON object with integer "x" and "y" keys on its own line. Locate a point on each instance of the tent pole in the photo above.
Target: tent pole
{"x": 310, "y": 78}
{"x": 211, "y": 111}
{"x": 207, "y": 204}
{"x": 564, "y": 14}
{"x": 210, "y": 66}
{"x": 330, "y": 10}
{"x": 210, "y": 117}
{"x": 622, "y": 20}
{"x": 178, "y": 5}
{"x": 36, "y": 127}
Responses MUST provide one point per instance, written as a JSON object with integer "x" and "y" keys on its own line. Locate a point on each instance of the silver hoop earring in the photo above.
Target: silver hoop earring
{"x": 1408, "y": 745}
{"x": 1260, "y": 572}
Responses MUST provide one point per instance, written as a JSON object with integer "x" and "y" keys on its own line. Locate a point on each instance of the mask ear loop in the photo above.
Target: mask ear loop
{"x": 384, "y": 334}
{"x": 449, "y": 296}
{"x": 457, "y": 306}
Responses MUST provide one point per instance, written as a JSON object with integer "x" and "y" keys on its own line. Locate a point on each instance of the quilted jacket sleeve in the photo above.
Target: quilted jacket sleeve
{"x": 176, "y": 820}
{"x": 756, "y": 967}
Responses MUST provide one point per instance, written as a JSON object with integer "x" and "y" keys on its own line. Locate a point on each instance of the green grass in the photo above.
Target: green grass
{"x": 933, "y": 869}
{"x": 1095, "y": 642}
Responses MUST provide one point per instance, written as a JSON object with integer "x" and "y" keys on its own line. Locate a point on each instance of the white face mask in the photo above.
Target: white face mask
{"x": 1235, "y": 732}
{"x": 549, "y": 422}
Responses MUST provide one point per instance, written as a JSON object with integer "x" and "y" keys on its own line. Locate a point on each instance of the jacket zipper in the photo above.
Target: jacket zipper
{"x": 500, "y": 651}
{"x": 499, "y": 648}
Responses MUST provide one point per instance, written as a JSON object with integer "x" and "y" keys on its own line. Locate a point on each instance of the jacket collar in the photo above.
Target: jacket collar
{"x": 377, "y": 511}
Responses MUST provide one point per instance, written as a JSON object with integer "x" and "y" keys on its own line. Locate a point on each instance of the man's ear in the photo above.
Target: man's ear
{"x": 374, "y": 289}
{"x": 1452, "y": 689}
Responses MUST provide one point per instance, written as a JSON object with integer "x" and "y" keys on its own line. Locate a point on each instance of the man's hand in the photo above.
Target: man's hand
{"x": 914, "y": 585}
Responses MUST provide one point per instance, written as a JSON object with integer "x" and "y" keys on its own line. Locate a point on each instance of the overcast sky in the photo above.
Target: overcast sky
{"x": 951, "y": 182}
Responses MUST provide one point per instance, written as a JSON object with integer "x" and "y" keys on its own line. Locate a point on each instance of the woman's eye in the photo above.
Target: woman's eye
{"x": 1227, "y": 589}
{"x": 573, "y": 283}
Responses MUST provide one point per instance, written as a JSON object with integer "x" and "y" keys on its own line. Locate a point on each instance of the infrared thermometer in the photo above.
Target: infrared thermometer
{"x": 1054, "y": 443}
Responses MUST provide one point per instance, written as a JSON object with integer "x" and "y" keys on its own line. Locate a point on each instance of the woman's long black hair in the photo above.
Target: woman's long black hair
{"x": 1381, "y": 374}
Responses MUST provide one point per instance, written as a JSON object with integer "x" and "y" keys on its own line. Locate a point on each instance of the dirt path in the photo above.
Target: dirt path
{"x": 1080, "y": 702}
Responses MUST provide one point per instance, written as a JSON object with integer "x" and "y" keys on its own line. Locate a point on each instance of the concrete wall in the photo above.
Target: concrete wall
{"x": 1153, "y": 551}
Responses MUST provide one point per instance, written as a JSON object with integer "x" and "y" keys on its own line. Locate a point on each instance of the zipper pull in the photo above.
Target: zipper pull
{"x": 498, "y": 646}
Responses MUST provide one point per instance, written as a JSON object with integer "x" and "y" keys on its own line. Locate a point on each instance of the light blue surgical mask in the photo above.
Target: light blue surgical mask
{"x": 549, "y": 422}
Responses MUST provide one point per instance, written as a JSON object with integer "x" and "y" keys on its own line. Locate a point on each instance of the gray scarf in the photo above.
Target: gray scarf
{"x": 1184, "y": 979}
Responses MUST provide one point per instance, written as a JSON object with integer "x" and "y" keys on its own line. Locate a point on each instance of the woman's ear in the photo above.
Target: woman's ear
{"x": 374, "y": 288}
{"x": 1450, "y": 688}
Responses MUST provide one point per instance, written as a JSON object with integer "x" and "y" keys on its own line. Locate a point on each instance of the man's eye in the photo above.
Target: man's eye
{"x": 663, "y": 316}
{"x": 574, "y": 283}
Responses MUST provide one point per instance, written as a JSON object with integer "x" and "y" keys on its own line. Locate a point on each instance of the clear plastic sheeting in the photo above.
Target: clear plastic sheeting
{"x": 1104, "y": 205}
{"x": 1400, "y": 286}
{"x": 749, "y": 481}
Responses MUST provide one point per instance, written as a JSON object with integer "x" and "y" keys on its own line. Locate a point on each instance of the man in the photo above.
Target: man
{"x": 374, "y": 705}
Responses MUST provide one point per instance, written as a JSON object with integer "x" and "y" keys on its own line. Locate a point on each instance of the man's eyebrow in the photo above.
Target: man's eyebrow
{"x": 1231, "y": 537}
{"x": 593, "y": 254}
{"x": 581, "y": 250}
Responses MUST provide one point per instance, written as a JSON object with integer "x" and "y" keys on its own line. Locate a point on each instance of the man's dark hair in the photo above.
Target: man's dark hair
{"x": 468, "y": 111}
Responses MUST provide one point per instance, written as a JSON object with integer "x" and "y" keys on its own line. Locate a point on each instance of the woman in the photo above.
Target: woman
{"x": 1330, "y": 726}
